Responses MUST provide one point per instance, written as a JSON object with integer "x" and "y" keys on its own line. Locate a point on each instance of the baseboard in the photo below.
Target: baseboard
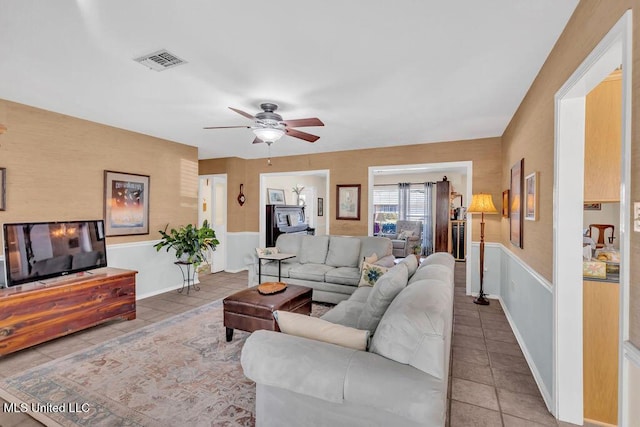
{"x": 546, "y": 395}
{"x": 236, "y": 270}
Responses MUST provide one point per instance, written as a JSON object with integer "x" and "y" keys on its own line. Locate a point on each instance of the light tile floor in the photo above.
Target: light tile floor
{"x": 490, "y": 385}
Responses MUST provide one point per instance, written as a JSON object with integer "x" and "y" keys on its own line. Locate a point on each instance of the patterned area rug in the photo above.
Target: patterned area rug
{"x": 179, "y": 371}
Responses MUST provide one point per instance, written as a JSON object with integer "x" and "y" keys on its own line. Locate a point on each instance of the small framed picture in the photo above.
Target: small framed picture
{"x": 592, "y": 206}
{"x": 531, "y": 197}
{"x": 320, "y": 206}
{"x": 126, "y": 203}
{"x": 348, "y": 205}
{"x": 275, "y": 196}
{"x": 505, "y": 204}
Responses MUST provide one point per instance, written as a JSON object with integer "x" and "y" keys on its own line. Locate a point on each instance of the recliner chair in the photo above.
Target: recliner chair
{"x": 408, "y": 235}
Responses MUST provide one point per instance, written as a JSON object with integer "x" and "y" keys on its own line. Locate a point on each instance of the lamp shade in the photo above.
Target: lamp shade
{"x": 482, "y": 203}
{"x": 268, "y": 134}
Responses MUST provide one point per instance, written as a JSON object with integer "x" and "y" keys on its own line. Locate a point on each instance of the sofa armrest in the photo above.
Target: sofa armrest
{"x": 386, "y": 261}
{"x": 336, "y": 374}
{"x": 382, "y": 383}
{"x": 301, "y": 365}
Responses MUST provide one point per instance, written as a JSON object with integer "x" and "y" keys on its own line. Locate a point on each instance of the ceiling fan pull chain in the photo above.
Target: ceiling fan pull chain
{"x": 269, "y": 158}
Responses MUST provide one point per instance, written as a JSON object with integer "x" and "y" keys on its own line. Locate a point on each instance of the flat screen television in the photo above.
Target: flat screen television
{"x": 41, "y": 250}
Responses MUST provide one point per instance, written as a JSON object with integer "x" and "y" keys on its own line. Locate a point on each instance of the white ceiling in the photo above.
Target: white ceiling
{"x": 377, "y": 73}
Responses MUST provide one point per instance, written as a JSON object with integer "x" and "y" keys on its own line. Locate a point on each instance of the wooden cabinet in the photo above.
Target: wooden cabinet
{"x": 443, "y": 216}
{"x": 33, "y": 313}
{"x": 600, "y": 351}
{"x": 603, "y": 141}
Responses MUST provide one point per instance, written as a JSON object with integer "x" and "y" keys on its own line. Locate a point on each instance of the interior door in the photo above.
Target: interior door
{"x": 213, "y": 208}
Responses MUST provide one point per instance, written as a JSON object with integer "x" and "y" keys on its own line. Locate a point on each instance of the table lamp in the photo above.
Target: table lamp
{"x": 482, "y": 204}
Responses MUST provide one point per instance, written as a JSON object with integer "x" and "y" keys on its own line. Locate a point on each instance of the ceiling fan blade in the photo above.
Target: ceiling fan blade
{"x": 226, "y": 127}
{"x": 300, "y": 123}
{"x": 257, "y": 140}
{"x": 302, "y": 135}
{"x": 242, "y": 113}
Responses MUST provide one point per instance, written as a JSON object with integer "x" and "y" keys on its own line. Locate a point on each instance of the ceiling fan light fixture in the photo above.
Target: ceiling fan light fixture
{"x": 268, "y": 134}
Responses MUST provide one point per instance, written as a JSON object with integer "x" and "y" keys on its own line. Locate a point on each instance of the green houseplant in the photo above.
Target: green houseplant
{"x": 189, "y": 242}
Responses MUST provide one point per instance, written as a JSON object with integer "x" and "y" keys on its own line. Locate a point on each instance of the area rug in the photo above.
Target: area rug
{"x": 180, "y": 371}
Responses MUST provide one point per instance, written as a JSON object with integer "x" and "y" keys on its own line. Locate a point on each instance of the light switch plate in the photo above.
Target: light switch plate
{"x": 636, "y": 216}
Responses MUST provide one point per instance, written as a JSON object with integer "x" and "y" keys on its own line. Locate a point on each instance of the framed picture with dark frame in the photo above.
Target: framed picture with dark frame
{"x": 320, "y": 206}
{"x": 348, "y": 202}
{"x": 275, "y": 196}
{"x": 515, "y": 204}
{"x": 126, "y": 203}
{"x": 531, "y": 197}
{"x": 592, "y": 206}
{"x": 3, "y": 189}
{"x": 505, "y": 204}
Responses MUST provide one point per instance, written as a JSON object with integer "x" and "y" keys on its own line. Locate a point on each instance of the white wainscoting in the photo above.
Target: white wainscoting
{"x": 527, "y": 299}
{"x": 157, "y": 272}
{"x": 240, "y": 245}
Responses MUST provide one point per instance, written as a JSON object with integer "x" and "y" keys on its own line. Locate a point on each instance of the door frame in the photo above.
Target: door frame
{"x": 614, "y": 49}
{"x": 222, "y": 237}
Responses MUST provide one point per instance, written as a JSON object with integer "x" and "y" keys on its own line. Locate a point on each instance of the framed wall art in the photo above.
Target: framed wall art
{"x": 320, "y": 206}
{"x": 505, "y": 204}
{"x": 531, "y": 197}
{"x": 348, "y": 202}
{"x": 275, "y": 196}
{"x": 592, "y": 206}
{"x": 515, "y": 204}
{"x": 3, "y": 189}
{"x": 126, "y": 203}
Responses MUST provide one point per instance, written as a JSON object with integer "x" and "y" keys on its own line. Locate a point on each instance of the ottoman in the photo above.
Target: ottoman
{"x": 249, "y": 310}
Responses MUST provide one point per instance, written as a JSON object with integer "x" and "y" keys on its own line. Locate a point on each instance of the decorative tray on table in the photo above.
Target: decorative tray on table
{"x": 269, "y": 288}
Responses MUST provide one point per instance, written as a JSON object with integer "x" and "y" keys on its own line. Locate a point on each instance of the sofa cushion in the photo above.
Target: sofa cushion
{"x": 412, "y": 264}
{"x": 313, "y": 249}
{"x": 433, "y": 271}
{"x": 289, "y": 243}
{"x": 416, "y": 327}
{"x": 51, "y": 265}
{"x": 271, "y": 268}
{"x": 383, "y": 292}
{"x": 343, "y": 251}
{"x": 343, "y": 276}
{"x": 86, "y": 259}
{"x": 313, "y": 272}
{"x": 371, "y": 273}
{"x": 318, "y": 329}
{"x": 440, "y": 258}
{"x": 345, "y": 313}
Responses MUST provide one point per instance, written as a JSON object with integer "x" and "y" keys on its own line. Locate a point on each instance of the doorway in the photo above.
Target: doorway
{"x": 614, "y": 50}
{"x": 212, "y": 206}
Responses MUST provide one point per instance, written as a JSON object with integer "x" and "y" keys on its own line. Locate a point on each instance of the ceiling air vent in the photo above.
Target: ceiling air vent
{"x": 160, "y": 60}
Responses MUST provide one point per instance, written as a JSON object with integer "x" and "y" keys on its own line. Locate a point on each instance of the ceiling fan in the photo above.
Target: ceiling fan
{"x": 269, "y": 127}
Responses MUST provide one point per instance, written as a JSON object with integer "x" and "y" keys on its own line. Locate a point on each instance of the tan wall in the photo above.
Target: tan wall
{"x": 55, "y": 169}
{"x": 485, "y": 154}
{"x": 531, "y": 134}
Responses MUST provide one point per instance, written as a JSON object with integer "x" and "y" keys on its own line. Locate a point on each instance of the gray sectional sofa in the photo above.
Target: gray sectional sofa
{"x": 330, "y": 265}
{"x": 400, "y": 380}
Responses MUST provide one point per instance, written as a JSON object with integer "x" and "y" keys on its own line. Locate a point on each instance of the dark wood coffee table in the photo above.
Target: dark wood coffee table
{"x": 249, "y": 310}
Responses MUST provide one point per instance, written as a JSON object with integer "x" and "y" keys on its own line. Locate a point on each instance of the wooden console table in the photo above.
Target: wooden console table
{"x": 37, "y": 312}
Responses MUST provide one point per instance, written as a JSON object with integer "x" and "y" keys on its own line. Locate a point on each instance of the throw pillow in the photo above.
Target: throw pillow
{"x": 321, "y": 330}
{"x": 383, "y": 292}
{"x": 266, "y": 251}
{"x": 371, "y": 273}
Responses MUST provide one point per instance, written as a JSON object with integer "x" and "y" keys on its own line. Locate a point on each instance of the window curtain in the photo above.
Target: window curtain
{"x": 427, "y": 223}
{"x": 404, "y": 200}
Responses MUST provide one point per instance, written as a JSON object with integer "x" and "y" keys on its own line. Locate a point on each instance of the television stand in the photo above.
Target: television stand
{"x": 33, "y": 313}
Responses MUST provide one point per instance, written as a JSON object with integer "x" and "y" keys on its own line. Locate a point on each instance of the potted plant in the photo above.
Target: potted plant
{"x": 189, "y": 242}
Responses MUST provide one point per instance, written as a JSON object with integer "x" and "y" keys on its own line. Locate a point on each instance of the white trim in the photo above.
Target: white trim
{"x": 244, "y": 233}
{"x": 133, "y": 244}
{"x": 429, "y": 167}
{"x": 546, "y": 394}
{"x": 237, "y": 270}
{"x": 263, "y": 201}
{"x": 614, "y": 49}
